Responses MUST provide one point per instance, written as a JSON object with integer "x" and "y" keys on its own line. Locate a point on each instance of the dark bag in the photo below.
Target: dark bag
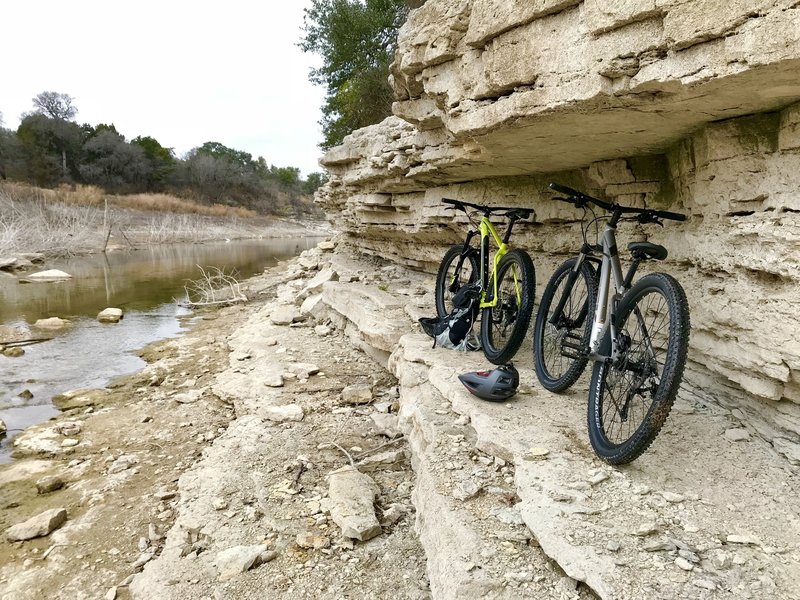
{"x": 455, "y": 330}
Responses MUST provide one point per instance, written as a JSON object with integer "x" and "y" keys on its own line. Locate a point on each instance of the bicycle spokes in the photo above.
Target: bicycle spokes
{"x": 634, "y": 375}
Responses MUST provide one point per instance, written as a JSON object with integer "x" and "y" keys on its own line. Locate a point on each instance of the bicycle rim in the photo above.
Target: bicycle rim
{"x": 504, "y": 326}
{"x": 572, "y": 328}
{"x": 631, "y": 386}
{"x": 453, "y": 279}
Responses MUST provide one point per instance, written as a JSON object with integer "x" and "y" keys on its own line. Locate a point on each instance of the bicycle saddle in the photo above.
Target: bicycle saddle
{"x": 646, "y": 250}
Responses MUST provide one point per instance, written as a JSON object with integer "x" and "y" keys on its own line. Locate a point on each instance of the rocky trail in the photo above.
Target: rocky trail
{"x": 312, "y": 444}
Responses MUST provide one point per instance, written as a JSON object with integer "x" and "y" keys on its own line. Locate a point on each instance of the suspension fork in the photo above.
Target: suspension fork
{"x": 466, "y": 252}
{"x": 558, "y": 313}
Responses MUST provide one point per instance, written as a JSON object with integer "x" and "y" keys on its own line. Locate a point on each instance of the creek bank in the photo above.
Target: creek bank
{"x": 504, "y": 500}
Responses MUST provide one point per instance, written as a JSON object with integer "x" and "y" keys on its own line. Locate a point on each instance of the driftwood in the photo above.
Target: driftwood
{"x": 214, "y": 288}
{"x": 28, "y": 342}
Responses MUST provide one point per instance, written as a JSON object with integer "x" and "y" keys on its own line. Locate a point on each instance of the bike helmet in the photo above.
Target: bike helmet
{"x": 495, "y": 386}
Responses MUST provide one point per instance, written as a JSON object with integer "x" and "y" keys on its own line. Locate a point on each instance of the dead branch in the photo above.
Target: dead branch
{"x": 214, "y": 287}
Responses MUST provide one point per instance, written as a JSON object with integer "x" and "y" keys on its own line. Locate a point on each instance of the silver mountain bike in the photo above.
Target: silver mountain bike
{"x": 636, "y": 334}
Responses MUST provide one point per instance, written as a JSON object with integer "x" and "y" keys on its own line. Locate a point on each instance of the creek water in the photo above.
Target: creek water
{"x": 147, "y": 284}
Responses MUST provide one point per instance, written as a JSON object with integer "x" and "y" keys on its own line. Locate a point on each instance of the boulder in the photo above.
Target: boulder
{"x": 49, "y": 483}
{"x": 38, "y": 526}
{"x": 358, "y": 393}
{"x": 110, "y": 315}
{"x": 237, "y": 560}
{"x": 352, "y": 495}
{"x": 3, "y": 427}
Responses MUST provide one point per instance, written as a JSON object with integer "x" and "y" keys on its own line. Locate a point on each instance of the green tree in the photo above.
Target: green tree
{"x": 59, "y": 108}
{"x": 10, "y": 155}
{"x": 50, "y": 148}
{"x": 162, "y": 161}
{"x": 356, "y": 40}
{"x": 313, "y": 182}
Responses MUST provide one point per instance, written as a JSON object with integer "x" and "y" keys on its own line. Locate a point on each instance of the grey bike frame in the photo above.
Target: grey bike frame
{"x": 604, "y": 315}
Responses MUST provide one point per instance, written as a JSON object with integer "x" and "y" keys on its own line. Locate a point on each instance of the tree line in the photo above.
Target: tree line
{"x": 50, "y": 148}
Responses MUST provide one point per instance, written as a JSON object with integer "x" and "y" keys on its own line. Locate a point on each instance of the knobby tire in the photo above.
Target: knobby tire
{"x": 637, "y": 312}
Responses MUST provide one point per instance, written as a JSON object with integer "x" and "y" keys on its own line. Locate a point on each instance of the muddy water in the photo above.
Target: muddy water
{"x": 146, "y": 284}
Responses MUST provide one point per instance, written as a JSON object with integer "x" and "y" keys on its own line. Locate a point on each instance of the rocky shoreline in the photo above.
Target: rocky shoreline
{"x": 227, "y": 468}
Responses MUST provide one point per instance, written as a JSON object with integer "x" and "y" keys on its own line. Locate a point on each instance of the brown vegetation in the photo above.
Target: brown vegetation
{"x": 77, "y": 219}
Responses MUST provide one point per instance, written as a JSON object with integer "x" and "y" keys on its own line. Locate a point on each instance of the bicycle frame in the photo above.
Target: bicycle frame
{"x": 610, "y": 268}
{"x": 487, "y": 232}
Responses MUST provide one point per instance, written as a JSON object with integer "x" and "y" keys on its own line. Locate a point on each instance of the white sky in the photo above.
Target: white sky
{"x": 182, "y": 72}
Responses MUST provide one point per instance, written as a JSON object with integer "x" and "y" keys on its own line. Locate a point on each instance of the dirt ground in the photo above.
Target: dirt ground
{"x": 135, "y": 442}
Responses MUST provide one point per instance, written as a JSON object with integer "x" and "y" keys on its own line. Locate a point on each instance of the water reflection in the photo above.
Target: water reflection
{"x": 144, "y": 283}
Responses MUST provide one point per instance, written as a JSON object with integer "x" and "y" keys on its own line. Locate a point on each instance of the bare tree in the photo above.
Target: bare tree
{"x": 55, "y": 105}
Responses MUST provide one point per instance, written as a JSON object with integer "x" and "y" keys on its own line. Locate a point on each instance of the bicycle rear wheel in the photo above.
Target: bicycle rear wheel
{"x": 560, "y": 349}
{"x": 632, "y": 393}
{"x": 503, "y": 327}
{"x": 452, "y": 276}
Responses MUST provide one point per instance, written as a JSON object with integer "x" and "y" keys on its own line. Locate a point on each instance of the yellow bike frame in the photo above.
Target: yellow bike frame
{"x": 487, "y": 229}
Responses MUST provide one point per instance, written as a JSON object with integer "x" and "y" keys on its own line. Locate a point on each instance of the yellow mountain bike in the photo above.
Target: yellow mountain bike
{"x": 507, "y": 290}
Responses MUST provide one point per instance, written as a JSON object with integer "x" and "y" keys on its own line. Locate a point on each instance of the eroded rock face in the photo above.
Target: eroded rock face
{"x": 662, "y": 103}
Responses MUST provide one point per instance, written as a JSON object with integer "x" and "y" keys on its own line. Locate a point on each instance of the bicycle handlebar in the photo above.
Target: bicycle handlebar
{"x": 520, "y": 213}
{"x": 646, "y": 215}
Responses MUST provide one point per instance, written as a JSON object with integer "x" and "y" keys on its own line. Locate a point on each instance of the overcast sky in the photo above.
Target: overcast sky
{"x": 182, "y": 72}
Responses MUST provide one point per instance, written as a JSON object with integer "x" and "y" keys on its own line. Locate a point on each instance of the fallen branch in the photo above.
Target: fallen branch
{"x": 214, "y": 288}
{"x": 27, "y": 342}
{"x": 376, "y": 448}
{"x": 346, "y": 453}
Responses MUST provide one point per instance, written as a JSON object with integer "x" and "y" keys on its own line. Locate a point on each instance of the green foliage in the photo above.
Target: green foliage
{"x": 314, "y": 181}
{"x": 162, "y": 161}
{"x": 236, "y": 158}
{"x": 50, "y": 147}
{"x": 47, "y": 150}
{"x": 356, "y": 40}
{"x": 111, "y": 162}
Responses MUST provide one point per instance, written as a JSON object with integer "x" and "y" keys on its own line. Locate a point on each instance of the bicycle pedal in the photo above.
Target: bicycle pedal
{"x": 570, "y": 356}
{"x": 573, "y": 336}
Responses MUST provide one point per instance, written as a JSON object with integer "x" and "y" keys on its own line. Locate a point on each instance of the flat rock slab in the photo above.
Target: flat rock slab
{"x": 281, "y": 414}
{"x": 50, "y": 275}
{"x": 38, "y": 526}
{"x": 286, "y": 315}
{"x": 80, "y": 398}
{"x": 352, "y": 496}
{"x": 615, "y": 528}
{"x": 52, "y": 323}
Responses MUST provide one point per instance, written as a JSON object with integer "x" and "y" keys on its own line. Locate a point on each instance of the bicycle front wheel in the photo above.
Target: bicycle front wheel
{"x": 560, "y": 348}
{"x": 454, "y": 273}
{"x": 632, "y": 392}
{"x": 503, "y": 327}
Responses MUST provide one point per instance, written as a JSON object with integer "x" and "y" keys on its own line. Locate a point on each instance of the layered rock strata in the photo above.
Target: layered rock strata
{"x": 665, "y": 104}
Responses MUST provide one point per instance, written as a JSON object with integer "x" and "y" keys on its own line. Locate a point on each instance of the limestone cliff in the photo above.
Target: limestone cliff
{"x": 674, "y": 104}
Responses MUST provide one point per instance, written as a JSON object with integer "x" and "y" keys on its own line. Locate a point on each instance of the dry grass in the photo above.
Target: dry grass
{"x": 172, "y": 204}
{"x": 89, "y": 195}
{"x": 70, "y": 220}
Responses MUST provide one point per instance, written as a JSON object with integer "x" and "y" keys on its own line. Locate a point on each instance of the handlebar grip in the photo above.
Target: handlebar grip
{"x": 665, "y": 214}
{"x": 565, "y": 190}
{"x": 450, "y": 201}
